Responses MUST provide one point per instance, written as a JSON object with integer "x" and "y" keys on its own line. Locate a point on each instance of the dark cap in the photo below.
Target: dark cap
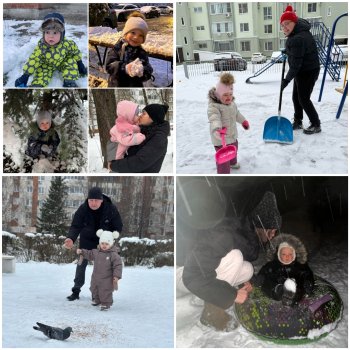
{"x": 156, "y": 112}
{"x": 95, "y": 193}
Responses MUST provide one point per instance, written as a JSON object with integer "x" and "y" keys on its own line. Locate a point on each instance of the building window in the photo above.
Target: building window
{"x": 200, "y": 27}
{"x": 268, "y": 29}
{"x": 202, "y": 46}
{"x": 41, "y": 190}
{"x": 185, "y": 40}
{"x": 242, "y": 8}
{"x": 28, "y": 202}
{"x": 197, "y": 9}
{"x": 30, "y": 189}
{"x": 244, "y": 27}
{"x": 268, "y": 46}
{"x": 245, "y": 46}
{"x": 267, "y": 13}
{"x": 222, "y": 27}
{"x": 312, "y": 7}
{"x": 182, "y": 21}
{"x": 220, "y": 8}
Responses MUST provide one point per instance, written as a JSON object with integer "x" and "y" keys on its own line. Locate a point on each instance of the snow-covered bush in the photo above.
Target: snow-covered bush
{"x": 9, "y": 243}
{"x": 145, "y": 251}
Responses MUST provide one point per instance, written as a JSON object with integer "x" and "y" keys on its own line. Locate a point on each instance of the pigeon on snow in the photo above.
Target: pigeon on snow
{"x": 54, "y": 332}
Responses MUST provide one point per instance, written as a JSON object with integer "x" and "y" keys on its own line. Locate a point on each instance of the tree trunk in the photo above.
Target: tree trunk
{"x": 105, "y": 106}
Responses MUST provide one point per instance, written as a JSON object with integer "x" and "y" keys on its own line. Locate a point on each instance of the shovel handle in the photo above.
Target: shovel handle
{"x": 223, "y": 134}
{"x": 280, "y": 100}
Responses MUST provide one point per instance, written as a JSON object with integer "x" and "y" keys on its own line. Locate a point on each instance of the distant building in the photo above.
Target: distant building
{"x": 245, "y": 27}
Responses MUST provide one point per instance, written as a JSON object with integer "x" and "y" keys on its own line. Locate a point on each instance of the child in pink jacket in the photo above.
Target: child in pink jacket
{"x": 125, "y": 131}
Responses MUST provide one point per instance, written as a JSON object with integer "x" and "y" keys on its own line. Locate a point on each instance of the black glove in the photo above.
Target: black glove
{"x": 22, "y": 81}
{"x": 284, "y": 84}
{"x": 82, "y": 69}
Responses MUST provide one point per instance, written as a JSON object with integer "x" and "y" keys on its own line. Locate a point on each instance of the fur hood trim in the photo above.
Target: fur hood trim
{"x": 295, "y": 242}
{"x": 213, "y": 98}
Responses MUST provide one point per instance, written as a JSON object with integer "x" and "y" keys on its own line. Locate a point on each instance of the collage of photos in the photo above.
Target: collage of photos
{"x": 175, "y": 175}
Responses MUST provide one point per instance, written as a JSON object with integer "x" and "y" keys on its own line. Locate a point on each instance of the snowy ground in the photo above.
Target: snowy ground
{"x": 96, "y": 163}
{"x": 142, "y": 315}
{"x": 323, "y": 153}
{"x": 19, "y": 40}
{"x": 330, "y": 263}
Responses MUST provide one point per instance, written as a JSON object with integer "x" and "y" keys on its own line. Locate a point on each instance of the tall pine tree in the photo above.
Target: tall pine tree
{"x": 52, "y": 214}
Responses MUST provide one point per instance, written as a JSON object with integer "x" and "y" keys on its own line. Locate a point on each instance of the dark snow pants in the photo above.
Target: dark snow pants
{"x": 79, "y": 279}
{"x": 304, "y": 83}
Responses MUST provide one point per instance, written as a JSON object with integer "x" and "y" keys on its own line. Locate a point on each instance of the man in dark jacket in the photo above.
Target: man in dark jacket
{"x": 233, "y": 243}
{"x": 304, "y": 68}
{"x": 149, "y": 155}
{"x": 97, "y": 212}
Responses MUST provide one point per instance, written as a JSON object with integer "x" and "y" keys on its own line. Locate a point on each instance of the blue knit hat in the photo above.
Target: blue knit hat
{"x": 54, "y": 21}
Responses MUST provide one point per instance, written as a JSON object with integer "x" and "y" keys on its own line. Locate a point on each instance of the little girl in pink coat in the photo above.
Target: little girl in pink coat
{"x": 125, "y": 131}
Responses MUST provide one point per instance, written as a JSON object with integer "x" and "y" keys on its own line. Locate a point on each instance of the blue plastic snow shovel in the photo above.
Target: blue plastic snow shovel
{"x": 277, "y": 128}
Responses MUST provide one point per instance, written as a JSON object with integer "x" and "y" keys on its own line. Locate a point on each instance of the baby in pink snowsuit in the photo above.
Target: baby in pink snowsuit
{"x": 125, "y": 131}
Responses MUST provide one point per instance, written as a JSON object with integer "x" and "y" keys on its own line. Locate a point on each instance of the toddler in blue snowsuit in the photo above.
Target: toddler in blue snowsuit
{"x": 53, "y": 52}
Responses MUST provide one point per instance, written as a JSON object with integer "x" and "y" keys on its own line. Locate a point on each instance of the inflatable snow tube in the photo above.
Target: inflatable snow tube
{"x": 313, "y": 317}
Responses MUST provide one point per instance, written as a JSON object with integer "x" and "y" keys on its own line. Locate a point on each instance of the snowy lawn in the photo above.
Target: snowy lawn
{"x": 20, "y": 39}
{"x": 330, "y": 262}
{"x": 324, "y": 153}
{"x": 142, "y": 315}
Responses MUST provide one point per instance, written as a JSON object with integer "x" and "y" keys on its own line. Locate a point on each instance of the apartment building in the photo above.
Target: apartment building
{"x": 245, "y": 27}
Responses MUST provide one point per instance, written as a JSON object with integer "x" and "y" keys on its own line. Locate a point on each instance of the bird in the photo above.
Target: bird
{"x": 54, "y": 332}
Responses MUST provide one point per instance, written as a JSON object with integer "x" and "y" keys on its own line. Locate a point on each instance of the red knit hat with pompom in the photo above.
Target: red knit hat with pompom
{"x": 289, "y": 15}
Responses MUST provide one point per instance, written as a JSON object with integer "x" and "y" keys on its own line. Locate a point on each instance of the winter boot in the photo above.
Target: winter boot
{"x": 297, "y": 124}
{"x": 73, "y": 296}
{"x": 235, "y": 166}
{"x": 215, "y": 317}
{"x": 69, "y": 83}
{"x": 95, "y": 302}
{"x": 105, "y": 307}
{"x": 312, "y": 129}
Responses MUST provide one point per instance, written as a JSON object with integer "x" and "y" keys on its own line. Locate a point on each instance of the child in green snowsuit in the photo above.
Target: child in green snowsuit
{"x": 53, "y": 52}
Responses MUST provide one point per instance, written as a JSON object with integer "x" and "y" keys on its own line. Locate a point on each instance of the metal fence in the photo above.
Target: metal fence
{"x": 195, "y": 68}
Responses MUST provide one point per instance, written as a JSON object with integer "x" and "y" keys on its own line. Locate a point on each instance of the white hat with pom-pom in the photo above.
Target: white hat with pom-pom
{"x": 107, "y": 236}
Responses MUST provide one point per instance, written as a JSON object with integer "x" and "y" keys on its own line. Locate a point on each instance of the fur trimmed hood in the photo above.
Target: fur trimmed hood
{"x": 295, "y": 242}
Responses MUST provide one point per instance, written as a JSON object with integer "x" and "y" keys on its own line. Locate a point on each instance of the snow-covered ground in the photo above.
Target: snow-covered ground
{"x": 330, "y": 263}
{"x": 96, "y": 160}
{"x": 322, "y": 153}
{"x": 142, "y": 315}
{"x": 19, "y": 40}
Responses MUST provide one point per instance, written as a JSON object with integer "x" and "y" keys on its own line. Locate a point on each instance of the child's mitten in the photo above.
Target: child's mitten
{"x": 81, "y": 68}
{"x": 245, "y": 125}
{"x": 22, "y": 81}
{"x": 115, "y": 283}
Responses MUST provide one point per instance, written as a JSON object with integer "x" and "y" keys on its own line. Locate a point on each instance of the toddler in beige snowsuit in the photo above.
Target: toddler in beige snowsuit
{"x": 107, "y": 269}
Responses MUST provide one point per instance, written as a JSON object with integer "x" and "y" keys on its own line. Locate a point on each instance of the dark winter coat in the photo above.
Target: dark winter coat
{"x": 148, "y": 156}
{"x": 274, "y": 272}
{"x": 301, "y": 50}
{"x": 107, "y": 264}
{"x": 87, "y": 221}
{"x": 199, "y": 274}
{"x": 121, "y": 55}
{"x": 39, "y": 138}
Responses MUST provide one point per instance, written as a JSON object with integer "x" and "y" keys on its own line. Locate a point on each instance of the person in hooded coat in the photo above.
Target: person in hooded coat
{"x": 286, "y": 276}
{"x": 148, "y": 156}
{"x": 97, "y": 212}
{"x": 304, "y": 68}
{"x": 218, "y": 268}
